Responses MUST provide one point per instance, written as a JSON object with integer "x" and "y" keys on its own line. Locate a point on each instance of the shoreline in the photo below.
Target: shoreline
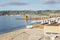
{"x": 11, "y": 30}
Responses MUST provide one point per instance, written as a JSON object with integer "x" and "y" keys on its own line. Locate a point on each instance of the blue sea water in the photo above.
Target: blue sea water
{"x": 8, "y": 23}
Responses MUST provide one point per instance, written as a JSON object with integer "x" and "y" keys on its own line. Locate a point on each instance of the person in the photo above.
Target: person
{"x": 26, "y": 17}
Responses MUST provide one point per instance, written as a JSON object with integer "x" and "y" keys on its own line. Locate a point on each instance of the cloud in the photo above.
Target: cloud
{"x": 17, "y": 3}
{"x": 13, "y": 3}
{"x": 51, "y": 1}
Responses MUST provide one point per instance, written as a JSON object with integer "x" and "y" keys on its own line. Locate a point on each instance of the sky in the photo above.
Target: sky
{"x": 29, "y": 5}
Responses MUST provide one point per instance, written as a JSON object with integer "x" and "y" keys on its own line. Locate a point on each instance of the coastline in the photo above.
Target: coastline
{"x": 11, "y": 30}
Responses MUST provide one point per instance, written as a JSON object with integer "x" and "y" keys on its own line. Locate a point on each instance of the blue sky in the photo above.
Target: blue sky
{"x": 30, "y": 5}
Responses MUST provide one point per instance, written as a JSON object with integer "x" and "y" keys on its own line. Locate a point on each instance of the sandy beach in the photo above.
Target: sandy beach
{"x": 23, "y": 34}
{"x": 34, "y": 33}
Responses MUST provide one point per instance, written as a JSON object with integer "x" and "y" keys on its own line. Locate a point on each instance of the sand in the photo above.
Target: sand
{"x": 35, "y": 33}
{"x": 23, "y": 34}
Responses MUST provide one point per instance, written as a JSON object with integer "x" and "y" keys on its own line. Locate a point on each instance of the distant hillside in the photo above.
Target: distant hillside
{"x": 24, "y": 12}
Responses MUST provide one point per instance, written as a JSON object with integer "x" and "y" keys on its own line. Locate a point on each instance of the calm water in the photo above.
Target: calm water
{"x": 8, "y": 23}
